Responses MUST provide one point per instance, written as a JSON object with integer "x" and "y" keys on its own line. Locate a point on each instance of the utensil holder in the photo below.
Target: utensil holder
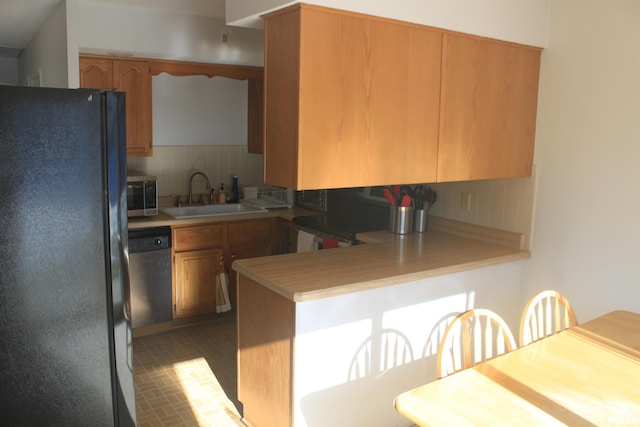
{"x": 420, "y": 220}
{"x": 401, "y": 219}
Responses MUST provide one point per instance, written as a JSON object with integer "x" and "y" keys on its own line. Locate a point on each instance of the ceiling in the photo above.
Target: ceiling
{"x": 20, "y": 19}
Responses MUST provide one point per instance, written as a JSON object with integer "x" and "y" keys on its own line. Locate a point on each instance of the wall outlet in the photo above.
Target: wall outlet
{"x": 465, "y": 201}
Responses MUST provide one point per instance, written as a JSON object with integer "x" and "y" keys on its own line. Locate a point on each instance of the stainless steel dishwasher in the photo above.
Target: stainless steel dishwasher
{"x": 150, "y": 275}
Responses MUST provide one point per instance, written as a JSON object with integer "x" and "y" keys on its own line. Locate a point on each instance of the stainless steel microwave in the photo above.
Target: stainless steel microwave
{"x": 142, "y": 195}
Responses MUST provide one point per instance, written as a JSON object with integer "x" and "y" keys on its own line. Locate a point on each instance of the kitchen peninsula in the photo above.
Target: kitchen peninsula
{"x": 328, "y": 337}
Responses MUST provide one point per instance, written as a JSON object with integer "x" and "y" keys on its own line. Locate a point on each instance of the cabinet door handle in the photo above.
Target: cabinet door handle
{"x": 221, "y": 258}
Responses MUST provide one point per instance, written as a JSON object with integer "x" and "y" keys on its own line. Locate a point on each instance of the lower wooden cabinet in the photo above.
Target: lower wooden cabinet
{"x": 266, "y": 334}
{"x": 195, "y": 281}
{"x": 202, "y": 252}
{"x": 285, "y": 239}
{"x": 198, "y": 258}
{"x": 247, "y": 239}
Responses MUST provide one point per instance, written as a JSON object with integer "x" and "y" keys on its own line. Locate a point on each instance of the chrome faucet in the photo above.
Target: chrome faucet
{"x": 206, "y": 178}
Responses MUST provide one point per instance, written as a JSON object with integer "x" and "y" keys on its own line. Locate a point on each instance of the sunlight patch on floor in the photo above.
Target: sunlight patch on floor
{"x": 203, "y": 391}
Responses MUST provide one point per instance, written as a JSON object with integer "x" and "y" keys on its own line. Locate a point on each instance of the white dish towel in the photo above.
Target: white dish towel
{"x": 222, "y": 293}
{"x": 306, "y": 242}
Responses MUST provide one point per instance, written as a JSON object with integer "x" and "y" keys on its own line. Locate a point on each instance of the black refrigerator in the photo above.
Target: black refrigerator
{"x": 66, "y": 355}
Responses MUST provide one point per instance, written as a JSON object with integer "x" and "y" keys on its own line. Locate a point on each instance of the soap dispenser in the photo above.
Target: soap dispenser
{"x": 222, "y": 197}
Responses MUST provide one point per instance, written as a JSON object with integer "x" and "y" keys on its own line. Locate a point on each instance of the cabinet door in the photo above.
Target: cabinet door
{"x": 351, "y": 100}
{"x": 258, "y": 249}
{"x": 285, "y": 237}
{"x": 197, "y": 237}
{"x": 134, "y": 78}
{"x": 281, "y": 89}
{"x": 195, "y": 282}
{"x": 247, "y": 239}
{"x": 255, "y": 117}
{"x": 96, "y": 73}
{"x": 250, "y": 231}
{"x": 488, "y": 111}
{"x": 403, "y": 104}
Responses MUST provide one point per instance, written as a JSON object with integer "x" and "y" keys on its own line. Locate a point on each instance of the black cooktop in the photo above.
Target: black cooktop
{"x": 347, "y": 214}
{"x": 343, "y": 225}
{"x": 329, "y": 225}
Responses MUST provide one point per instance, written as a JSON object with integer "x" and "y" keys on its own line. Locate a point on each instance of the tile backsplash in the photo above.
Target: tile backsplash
{"x": 505, "y": 204}
{"x": 174, "y": 164}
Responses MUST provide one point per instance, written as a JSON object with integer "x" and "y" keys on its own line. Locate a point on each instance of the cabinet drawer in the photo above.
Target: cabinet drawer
{"x": 197, "y": 237}
{"x": 250, "y": 231}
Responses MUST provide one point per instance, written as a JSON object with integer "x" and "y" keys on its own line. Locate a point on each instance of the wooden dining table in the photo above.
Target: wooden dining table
{"x": 588, "y": 375}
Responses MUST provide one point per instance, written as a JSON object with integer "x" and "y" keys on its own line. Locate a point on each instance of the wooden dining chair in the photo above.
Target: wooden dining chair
{"x": 473, "y": 337}
{"x": 546, "y": 313}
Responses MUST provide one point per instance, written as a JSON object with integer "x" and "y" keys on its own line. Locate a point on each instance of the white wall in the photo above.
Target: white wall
{"x": 8, "y": 71}
{"x": 148, "y": 33}
{"x": 586, "y": 240}
{"x": 43, "y": 62}
{"x": 131, "y": 31}
{"x": 330, "y": 332}
{"x": 520, "y": 21}
{"x": 198, "y": 110}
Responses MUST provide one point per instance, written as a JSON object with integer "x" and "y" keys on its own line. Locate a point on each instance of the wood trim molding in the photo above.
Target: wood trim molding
{"x": 181, "y": 68}
{"x": 188, "y": 68}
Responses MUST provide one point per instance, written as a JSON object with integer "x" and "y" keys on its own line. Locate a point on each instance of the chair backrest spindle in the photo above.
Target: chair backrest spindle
{"x": 473, "y": 337}
{"x": 546, "y": 313}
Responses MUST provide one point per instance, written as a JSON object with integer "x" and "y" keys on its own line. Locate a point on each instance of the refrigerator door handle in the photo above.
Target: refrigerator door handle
{"x": 126, "y": 307}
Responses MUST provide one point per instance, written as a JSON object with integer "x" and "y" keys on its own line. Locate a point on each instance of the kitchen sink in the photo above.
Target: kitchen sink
{"x": 209, "y": 210}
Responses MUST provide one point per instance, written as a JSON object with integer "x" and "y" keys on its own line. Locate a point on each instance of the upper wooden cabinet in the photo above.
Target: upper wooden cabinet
{"x": 134, "y": 78}
{"x": 96, "y": 73}
{"x": 488, "y": 109}
{"x": 355, "y": 100}
{"x": 350, "y": 100}
{"x": 255, "y": 116}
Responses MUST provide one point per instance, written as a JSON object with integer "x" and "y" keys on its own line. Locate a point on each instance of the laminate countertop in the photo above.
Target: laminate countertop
{"x": 384, "y": 259}
{"x": 166, "y": 220}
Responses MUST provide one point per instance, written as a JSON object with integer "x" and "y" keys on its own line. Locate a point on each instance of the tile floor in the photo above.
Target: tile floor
{"x": 187, "y": 377}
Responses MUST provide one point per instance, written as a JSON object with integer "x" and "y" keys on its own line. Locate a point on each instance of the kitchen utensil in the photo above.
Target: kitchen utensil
{"x": 406, "y": 201}
{"x": 389, "y": 197}
{"x": 418, "y": 195}
{"x": 431, "y": 196}
{"x": 396, "y": 193}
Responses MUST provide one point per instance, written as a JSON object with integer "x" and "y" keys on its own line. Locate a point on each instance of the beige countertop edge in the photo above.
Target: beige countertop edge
{"x": 383, "y": 281}
{"x": 166, "y": 220}
{"x": 448, "y": 247}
